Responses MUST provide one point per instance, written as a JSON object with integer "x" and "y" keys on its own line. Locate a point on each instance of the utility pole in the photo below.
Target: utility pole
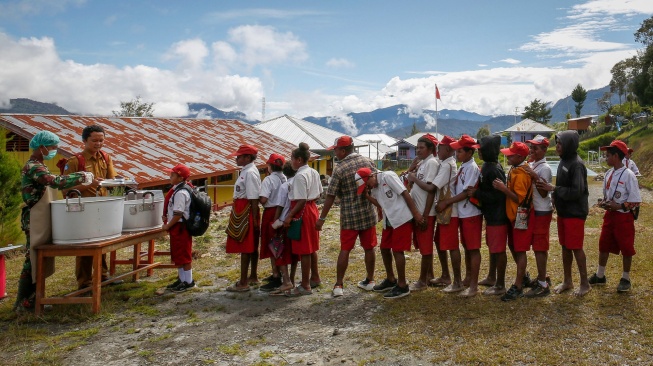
{"x": 263, "y": 109}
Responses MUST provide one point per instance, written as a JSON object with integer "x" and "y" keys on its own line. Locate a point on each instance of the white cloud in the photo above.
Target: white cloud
{"x": 594, "y": 8}
{"x": 190, "y": 53}
{"x": 340, "y": 63}
{"x": 482, "y": 65}
{"x": 264, "y": 45}
{"x": 511, "y": 61}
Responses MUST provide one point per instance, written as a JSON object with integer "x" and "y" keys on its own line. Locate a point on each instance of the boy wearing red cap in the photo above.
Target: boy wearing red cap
{"x": 542, "y": 215}
{"x": 518, "y": 193}
{"x": 270, "y": 189}
{"x": 629, "y": 163}
{"x": 176, "y": 210}
{"x": 388, "y": 193}
{"x": 470, "y": 220}
{"x": 620, "y": 198}
{"x": 570, "y": 197}
{"x": 423, "y": 193}
{"x": 357, "y": 215}
{"x": 246, "y": 199}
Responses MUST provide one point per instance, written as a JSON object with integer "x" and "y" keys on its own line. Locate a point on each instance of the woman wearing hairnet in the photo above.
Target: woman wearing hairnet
{"x": 35, "y": 218}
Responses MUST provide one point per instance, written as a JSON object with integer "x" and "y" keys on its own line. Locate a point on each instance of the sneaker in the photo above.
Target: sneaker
{"x": 624, "y": 285}
{"x": 184, "y": 286}
{"x": 367, "y": 285}
{"x": 596, "y": 280}
{"x": 397, "y": 292}
{"x": 526, "y": 281}
{"x": 337, "y": 291}
{"x": 513, "y": 293}
{"x": 273, "y": 284}
{"x": 495, "y": 290}
{"x": 174, "y": 284}
{"x": 384, "y": 286}
{"x": 538, "y": 291}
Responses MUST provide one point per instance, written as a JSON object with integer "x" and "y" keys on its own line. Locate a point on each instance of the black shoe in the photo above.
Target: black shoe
{"x": 624, "y": 285}
{"x": 513, "y": 293}
{"x": 269, "y": 278}
{"x": 174, "y": 284}
{"x": 535, "y": 282}
{"x": 596, "y": 280}
{"x": 384, "y": 286}
{"x": 526, "y": 281}
{"x": 184, "y": 286}
{"x": 397, "y": 292}
{"x": 538, "y": 291}
{"x": 272, "y": 285}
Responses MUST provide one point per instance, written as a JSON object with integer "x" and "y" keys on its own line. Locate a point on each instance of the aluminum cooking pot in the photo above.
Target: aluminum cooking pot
{"x": 142, "y": 210}
{"x": 86, "y": 219}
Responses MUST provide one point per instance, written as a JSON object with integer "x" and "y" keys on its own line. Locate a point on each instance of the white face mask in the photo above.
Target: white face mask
{"x": 50, "y": 155}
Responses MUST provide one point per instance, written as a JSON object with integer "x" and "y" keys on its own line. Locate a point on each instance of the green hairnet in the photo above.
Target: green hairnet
{"x": 43, "y": 138}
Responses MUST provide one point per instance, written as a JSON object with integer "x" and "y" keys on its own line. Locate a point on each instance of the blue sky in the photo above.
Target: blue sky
{"x": 319, "y": 58}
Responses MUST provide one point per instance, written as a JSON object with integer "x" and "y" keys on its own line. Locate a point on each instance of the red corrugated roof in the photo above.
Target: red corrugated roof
{"x": 142, "y": 147}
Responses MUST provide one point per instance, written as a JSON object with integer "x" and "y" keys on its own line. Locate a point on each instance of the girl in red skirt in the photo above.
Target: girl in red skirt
{"x": 306, "y": 188}
{"x": 246, "y": 196}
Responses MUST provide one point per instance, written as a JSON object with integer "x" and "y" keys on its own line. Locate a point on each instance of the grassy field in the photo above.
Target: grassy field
{"x": 601, "y": 328}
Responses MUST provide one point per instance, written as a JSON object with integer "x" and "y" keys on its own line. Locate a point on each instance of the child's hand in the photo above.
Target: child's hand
{"x": 498, "y": 185}
{"x": 470, "y": 191}
{"x": 440, "y": 206}
{"x": 411, "y": 177}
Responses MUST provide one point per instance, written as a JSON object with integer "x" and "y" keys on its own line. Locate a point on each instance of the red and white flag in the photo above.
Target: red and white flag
{"x": 437, "y": 93}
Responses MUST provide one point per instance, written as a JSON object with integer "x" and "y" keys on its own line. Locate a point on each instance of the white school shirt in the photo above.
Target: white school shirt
{"x": 179, "y": 202}
{"x": 283, "y": 199}
{"x": 248, "y": 184}
{"x": 307, "y": 184}
{"x": 466, "y": 177}
{"x": 543, "y": 170}
{"x": 623, "y": 186}
{"x": 630, "y": 164}
{"x": 447, "y": 175}
{"x": 426, "y": 172}
{"x": 270, "y": 188}
{"x": 388, "y": 194}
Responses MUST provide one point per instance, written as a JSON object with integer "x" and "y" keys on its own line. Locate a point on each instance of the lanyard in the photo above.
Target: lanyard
{"x": 607, "y": 185}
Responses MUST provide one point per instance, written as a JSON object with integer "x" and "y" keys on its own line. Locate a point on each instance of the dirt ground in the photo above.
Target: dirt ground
{"x": 208, "y": 325}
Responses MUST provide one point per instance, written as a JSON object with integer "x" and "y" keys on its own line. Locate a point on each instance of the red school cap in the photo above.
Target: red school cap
{"x": 517, "y": 148}
{"x": 244, "y": 150}
{"x": 362, "y": 176}
{"x": 618, "y": 144}
{"x": 180, "y": 169}
{"x": 276, "y": 159}
{"x": 342, "y": 141}
{"x": 465, "y": 141}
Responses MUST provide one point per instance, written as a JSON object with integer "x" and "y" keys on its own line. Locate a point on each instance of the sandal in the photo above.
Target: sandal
{"x": 315, "y": 284}
{"x": 298, "y": 291}
{"x": 439, "y": 282}
{"x": 236, "y": 288}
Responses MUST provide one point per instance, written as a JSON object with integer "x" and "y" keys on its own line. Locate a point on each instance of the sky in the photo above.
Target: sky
{"x": 311, "y": 58}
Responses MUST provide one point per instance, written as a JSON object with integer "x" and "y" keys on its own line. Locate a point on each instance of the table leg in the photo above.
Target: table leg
{"x": 40, "y": 285}
{"x": 150, "y": 257}
{"x": 112, "y": 263}
{"x": 137, "y": 261}
{"x": 97, "y": 280}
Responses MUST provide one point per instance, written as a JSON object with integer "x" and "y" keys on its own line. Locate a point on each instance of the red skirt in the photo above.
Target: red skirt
{"x": 287, "y": 257}
{"x": 310, "y": 238}
{"x": 267, "y": 232}
{"x": 181, "y": 244}
{"x": 249, "y": 244}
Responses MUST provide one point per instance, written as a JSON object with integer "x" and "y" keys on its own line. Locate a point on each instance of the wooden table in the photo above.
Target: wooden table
{"x": 96, "y": 250}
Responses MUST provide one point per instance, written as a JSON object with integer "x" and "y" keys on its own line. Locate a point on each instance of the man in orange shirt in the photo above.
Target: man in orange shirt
{"x": 519, "y": 195}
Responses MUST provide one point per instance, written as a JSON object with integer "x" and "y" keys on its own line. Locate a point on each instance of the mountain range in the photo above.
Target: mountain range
{"x": 396, "y": 121}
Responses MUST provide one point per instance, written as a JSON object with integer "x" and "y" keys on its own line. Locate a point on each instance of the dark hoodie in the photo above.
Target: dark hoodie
{"x": 492, "y": 201}
{"x": 571, "y": 192}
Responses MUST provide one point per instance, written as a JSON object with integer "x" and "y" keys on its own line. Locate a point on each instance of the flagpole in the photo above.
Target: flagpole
{"x": 435, "y": 94}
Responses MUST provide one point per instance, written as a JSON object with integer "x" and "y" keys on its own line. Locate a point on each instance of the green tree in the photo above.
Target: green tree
{"x": 642, "y": 73}
{"x": 537, "y": 111}
{"x": 135, "y": 108}
{"x": 483, "y": 131}
{"x": 10, "y": 194}
{"x": 414, "y": 130}
{"x": 605, "y": 102}
{"x": 579, "y": 94}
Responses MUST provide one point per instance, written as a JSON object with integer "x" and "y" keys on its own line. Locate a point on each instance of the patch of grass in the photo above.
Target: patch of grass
{"x": 255, "y": 341}
{"x": 160, "y": 338}
{"x": 266, "y": 354}
{"x": 231, "y": 350}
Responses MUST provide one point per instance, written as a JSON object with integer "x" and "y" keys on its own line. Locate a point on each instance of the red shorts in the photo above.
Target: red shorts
{"x": 571, "y": 232}
{"x": 310, "y": 238}
{"x": 541, "y": 225}
{"x": 367, "y": 238}
{"x": 423, "y": 239}
{"x": 286, "y": 257}
{"x": 267, "y": 232}
{"x": 181, "y": 244}
{"x": 397, "y": 238}
{"x": 496, "y": 237}
{"x": 618, "y": 234}
{"x": 471, "y": 229}
{"x": 447, "y": 235}
{"x": 250, "y": 243}
{"x": 518, "y": 239}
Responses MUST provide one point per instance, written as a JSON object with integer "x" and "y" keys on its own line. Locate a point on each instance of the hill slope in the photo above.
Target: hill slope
{"x": 28, "y": 106}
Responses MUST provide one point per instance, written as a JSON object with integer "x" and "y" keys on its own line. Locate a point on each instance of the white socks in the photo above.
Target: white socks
{"x": 626, "y": 275}
{"x": 185, "y": 276}
{"x": 600, "y": 272}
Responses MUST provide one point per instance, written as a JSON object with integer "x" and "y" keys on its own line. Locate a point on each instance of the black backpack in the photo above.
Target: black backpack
{"x": 200, "y": 210}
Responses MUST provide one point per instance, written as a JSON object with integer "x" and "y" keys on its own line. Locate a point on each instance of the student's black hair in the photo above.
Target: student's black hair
{"x": 302, "y": 152}
{"x": 88, "y": 130}
{"x": 468, "y": 149}
{"x": 615, "y": 150}
{"x": 429, "y": 144}
{"x": 276, "y": 168}
{"x": 288, "y": 171}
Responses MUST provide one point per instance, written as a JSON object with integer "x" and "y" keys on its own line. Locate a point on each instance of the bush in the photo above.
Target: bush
{"x": 10, "y": 195}
{"x": 596, "y": 142}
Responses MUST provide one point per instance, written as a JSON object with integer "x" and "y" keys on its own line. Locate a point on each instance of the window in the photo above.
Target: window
{"x": 16, "y": 143}
{"x": 402, "y": 153}
{"x": 225, "y": 178}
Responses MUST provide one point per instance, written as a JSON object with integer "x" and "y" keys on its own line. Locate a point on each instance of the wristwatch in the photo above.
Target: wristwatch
{"x": 322, "y": 219}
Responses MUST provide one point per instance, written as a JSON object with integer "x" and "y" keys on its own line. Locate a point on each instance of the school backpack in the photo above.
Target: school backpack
{"x": 62, "y": 164}
{"x": 200, "y": 210}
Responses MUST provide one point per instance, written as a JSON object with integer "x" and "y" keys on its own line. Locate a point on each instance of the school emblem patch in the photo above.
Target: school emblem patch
{"x": 237, "y": 188}
{"x": 617, "y": 194}
{"x": 420, "y": 176}
{"x": 389, "y": 193}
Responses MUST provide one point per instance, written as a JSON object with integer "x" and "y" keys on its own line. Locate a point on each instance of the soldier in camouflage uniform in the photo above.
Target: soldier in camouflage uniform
{"x": 35, "y": 178}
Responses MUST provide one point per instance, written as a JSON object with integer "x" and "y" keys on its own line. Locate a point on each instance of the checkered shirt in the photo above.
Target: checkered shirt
{"x": 356, "y": 212}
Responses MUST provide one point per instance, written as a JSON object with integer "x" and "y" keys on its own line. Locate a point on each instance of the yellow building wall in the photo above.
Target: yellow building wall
{"x": 23, "y": 156}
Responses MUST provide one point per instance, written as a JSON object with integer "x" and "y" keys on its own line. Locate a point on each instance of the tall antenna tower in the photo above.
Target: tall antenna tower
{"x": 263, "y": 109}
